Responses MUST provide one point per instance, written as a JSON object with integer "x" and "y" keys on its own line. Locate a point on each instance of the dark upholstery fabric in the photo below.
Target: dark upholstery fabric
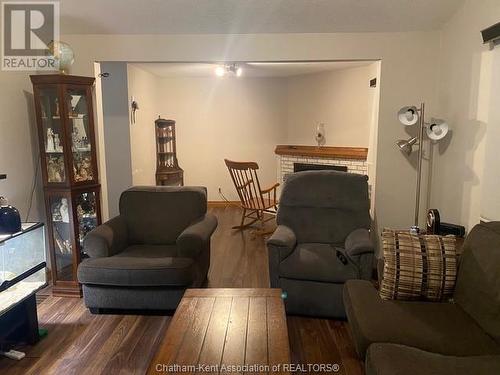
{"x": 391, "y": 359}
{"x": 197, "y": 236}
{"x": 358, "y": 242}
{"x": 312, "y": 298}
{"x": 139, "y": 267}
{"x": 283, "y": 237}
{"x": 107, "y": 239}
{"x": 433, "y": 326}
{"x": 160, "y": 218}
{"x": 324, "y": 206}
{"x": 478, "y": 282}
{"x": 319, "y": 213}
{"x": 146, "y": 257}
{"x": 132, "y": 298}
{"x": 316, "y": 262}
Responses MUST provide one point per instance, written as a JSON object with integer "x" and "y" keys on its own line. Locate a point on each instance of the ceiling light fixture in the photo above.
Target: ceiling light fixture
{"x": 230, "y": 69}
{"x": 220, "y": 71}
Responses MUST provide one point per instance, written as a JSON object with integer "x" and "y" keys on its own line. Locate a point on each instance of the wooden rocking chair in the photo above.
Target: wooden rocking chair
{"x": 255, "y": 201}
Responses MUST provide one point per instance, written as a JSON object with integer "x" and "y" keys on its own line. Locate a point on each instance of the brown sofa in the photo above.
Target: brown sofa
{"x": 459, "y": 337}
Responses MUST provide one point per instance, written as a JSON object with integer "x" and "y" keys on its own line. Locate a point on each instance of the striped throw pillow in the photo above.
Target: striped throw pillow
{"x": 418, "y": 267}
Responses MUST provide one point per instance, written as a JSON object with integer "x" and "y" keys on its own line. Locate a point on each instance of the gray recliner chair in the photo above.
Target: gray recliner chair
{"x": 322, "y": 240}
{"x": 147, "y": 256}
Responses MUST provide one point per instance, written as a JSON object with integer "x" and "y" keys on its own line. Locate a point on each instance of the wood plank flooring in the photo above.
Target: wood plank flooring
{"x": 81, "y": 343}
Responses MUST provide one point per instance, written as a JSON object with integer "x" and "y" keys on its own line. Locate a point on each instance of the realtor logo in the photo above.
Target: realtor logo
{"x": 28, "y": 30}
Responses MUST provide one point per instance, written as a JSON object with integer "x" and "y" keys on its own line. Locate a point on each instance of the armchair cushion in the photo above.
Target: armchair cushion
{"x": 316, "y": 262}
{"x": 358, "y": 242}
{"x": 107, "y": 239}
{"x": 196, "y": 237}
{"x": 139, "y": 266}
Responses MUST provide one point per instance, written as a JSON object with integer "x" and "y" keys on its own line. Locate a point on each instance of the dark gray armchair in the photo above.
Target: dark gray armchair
{"x": 147, "y": 256}
{"x": 322, "y": 240}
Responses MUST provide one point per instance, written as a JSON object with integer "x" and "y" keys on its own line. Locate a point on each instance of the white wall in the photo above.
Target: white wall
{"x": 240, "y": 119}
{"x": 408, "y": 73}
{"x": 459, "y": 160}
{"x": 341, "y": 99}
{"x": 145, "y": 88}
{"x": 19, "y": 157}
{"x": 116, "y": 133}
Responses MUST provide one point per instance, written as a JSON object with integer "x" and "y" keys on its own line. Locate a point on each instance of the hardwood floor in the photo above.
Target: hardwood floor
{"x": 81, "y": 343}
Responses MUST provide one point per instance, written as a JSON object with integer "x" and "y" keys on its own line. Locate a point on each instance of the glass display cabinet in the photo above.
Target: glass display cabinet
{"x": 65, "y": 124}
{"x": 168, "y": 171}
{"x": 22, "y": 274}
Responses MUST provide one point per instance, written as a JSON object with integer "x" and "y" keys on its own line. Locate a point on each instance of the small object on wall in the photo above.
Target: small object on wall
{"x": 320, "y": 134}
{"x": 168, "y": 171}
{"x": 373, "y": 82}
{"x": 134, "y": 106}
{"x": 491, "y": 34}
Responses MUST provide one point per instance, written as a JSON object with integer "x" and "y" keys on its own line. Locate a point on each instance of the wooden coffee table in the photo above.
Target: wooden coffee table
{"x": 225, "y": 330}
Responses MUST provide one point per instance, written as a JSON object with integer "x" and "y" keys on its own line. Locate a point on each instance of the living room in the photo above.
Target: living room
{"x": 251, "y": 261}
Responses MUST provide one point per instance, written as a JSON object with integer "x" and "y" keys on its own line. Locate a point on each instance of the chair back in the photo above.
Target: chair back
{"x": 324, "y": 206}
{"x": 156, "y": 215}
{"x": 478, "y": 281}
{"x": 246, "y": 182}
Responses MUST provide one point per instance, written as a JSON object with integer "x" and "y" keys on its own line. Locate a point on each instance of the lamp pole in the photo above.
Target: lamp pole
{"x": 419, "y": 165}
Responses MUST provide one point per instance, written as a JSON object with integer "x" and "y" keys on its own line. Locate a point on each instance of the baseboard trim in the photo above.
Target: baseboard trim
{"x": 214, "y": 204}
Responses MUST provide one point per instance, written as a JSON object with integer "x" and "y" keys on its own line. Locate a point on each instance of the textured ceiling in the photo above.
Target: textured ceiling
{"x": 252, "y": 16}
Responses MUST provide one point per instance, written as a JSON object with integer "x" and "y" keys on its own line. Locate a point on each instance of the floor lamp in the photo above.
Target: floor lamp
{"x": 435, "y": 130}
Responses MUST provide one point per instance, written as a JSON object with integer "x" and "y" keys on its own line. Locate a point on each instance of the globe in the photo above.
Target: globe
{"x": 63, "y": 54}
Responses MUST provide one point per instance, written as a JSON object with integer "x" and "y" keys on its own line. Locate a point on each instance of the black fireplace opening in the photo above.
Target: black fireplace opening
{"x": 299, "y": 167}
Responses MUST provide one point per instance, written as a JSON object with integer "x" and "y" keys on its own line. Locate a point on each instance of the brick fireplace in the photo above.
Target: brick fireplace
{"x": 350, "y": 159}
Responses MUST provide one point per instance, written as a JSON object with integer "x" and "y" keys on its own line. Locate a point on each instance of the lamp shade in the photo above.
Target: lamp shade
{"x": 408, "y": 115}
{"x": 406, "y": 146}
{"x": 437, "y": 129}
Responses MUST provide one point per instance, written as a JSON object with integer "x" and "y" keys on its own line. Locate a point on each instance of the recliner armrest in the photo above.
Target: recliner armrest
{"x": 283, "y": 238}
{"x": 358, "y": 242}
{"x": 107, "y": 239}
{"x": 196, "y": 236}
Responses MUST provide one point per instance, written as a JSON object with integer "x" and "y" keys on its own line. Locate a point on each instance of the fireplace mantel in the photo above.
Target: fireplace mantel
{"x": 355, "y": 153}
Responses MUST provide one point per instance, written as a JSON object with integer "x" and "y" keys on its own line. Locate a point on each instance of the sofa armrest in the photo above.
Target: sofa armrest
{"x": 197, "y": 236}
{"x": 107, "y": 239}
{"x": 358, "y": 242}
{"x": 283, "y": 238}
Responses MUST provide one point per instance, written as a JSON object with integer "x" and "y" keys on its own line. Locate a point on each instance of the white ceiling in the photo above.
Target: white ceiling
{"x": 252, "y": 16}
{"x": 249, "y": 69}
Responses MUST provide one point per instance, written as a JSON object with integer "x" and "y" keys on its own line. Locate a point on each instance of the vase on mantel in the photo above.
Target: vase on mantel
{"x": 320, "y": 134}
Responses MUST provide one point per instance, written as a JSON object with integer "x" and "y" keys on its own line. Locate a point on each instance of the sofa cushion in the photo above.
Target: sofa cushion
{"x": 478, "y": 282}
{"x": 316, "y": 262}
{"x": 433, "y": 326}
{"x": 391, "y": 359}
{"x": 140, "y": 265}
{"x": 418, "y": 266}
